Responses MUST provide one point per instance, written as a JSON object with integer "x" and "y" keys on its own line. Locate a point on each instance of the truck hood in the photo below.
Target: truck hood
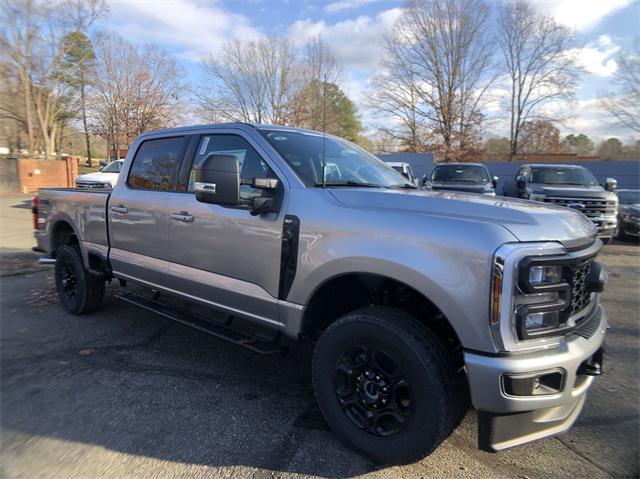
{"x": 99, "y": 176}
{"x": 462, "y": 186}
{"x": 569, "y": 191}
{"x": 526, "y": 220}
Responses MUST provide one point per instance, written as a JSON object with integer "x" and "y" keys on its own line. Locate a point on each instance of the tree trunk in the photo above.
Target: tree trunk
{"x": 84, "y": 118}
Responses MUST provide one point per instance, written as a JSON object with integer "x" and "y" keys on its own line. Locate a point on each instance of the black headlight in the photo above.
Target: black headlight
{"x": 551, "y": 290}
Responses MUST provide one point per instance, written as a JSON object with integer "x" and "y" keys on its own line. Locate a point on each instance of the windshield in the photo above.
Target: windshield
{"x": 562, "y": 176}
{"x": 345, "y": 163}
{"x": 113, "y": 167}
{"x": 629, "y": 197}
{"x": 466, "y": 173}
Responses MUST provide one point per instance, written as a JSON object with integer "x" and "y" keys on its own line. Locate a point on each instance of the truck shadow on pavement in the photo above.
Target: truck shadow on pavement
{"x": 132, "y": 382}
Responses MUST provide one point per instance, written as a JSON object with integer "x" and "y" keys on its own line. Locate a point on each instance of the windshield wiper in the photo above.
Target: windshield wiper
{"x": 351, "y": 183}
{"x": 405, "y": 185}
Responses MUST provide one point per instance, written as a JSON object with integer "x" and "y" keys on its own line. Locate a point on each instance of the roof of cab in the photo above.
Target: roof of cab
{"x": 257, "y": 126}
{"x": 461, "y": 164}
{"x": 551, "y": 165}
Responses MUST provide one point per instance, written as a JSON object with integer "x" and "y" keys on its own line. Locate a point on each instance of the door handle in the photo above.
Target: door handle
{"x": 120, "y": 209}
{"x": 182, "y": 216}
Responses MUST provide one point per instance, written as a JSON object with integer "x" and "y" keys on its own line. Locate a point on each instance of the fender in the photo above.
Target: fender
{"x": 469, "y": 330}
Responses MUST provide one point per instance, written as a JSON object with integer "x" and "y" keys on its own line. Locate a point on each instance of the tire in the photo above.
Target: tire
{"x": 428, "y": 400}
{"x": 78, "y": 290}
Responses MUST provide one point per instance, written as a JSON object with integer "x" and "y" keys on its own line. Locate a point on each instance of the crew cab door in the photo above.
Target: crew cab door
{"x": 138, "y": 210}
{"x": 223, "y": 255}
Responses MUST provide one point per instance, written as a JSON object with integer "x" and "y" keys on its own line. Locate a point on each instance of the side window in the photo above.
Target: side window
{"x": 156, "y": 164}
{"x": 251, "y": 164}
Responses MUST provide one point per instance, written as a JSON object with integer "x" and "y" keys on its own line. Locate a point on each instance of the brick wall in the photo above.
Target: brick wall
{"x": 34, "y": 174}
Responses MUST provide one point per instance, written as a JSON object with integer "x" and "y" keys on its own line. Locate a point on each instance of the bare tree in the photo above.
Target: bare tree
{"x": 538, "y": 62}
{"x": 136, "y": 90}
{"x": 438, "y": 67}
{"x": 33, "y": 39}
{"x": 250, "y": 82}
{"x": 624, "y": 105}
{"x": 314, "y": 104}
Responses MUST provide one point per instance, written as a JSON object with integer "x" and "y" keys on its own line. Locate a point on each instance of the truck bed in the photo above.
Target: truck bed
{"x": 83, "y": 209}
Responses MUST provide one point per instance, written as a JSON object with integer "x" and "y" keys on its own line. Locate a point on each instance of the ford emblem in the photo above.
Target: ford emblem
{"x": 576, "y": 206}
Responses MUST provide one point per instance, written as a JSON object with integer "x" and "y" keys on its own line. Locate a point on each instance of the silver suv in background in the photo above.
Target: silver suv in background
{"x": 404, "y": 169}
{"x": 416, "y": 302}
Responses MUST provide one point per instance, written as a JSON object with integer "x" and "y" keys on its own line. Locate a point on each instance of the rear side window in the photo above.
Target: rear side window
{"x": 156, "y": 164}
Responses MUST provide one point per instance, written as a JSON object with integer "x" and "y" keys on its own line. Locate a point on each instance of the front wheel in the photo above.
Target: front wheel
{"x": 78, "y": 290}
{"x": 386, "y": 385}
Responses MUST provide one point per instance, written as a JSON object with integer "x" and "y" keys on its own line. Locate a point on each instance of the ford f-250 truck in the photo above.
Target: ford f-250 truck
{"x": 416, "y": 301}
{"x": 571, "y": 186}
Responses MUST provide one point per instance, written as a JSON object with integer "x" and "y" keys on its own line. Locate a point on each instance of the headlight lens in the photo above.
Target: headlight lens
{"x": 534, "y": 322}
{"x": 547, "y": 274}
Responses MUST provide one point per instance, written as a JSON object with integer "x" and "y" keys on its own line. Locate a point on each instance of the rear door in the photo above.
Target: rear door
{"x": 223, "y": 255}
{"x": 138, "y": 218}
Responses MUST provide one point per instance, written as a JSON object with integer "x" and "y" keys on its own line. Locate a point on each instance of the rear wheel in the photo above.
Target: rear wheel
{"x": 386, "y": 385}
{"x": 78, "y": 290}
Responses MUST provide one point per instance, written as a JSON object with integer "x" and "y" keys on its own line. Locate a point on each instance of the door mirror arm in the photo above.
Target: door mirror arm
{"x": 260, "y": 205}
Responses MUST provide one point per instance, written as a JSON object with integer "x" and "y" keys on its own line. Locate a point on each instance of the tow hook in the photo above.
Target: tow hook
{"x": 593, "y": 365}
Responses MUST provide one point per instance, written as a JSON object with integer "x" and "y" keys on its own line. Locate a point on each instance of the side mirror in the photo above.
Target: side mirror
{"x": 520, "y": 183}
{"x": 610, "y": 184}
{"x": 218, "y": 180}
{"x": 494, "y": 181}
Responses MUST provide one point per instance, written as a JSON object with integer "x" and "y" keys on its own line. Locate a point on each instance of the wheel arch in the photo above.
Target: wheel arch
{"x": 346, "y": 292}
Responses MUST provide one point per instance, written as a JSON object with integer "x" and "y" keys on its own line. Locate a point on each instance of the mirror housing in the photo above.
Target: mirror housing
{"x": 610, "y": 184}
{"x": 218, "y": 180}
{"x": 494, "y": 181}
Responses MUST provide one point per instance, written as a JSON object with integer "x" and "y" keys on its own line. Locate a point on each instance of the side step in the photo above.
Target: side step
{"x": 218, "y": 330}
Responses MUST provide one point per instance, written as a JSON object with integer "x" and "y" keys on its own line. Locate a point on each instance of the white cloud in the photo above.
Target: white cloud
{"x": 581, "y": 14}
{"x": 345, "y": 5}
{"x": 355, "y": 44}
{"x": 188, "y": 27}
{"x": 597, "y": 57}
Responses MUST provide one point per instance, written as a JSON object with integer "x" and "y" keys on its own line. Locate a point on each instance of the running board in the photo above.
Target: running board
{"x": 218, "y": 330}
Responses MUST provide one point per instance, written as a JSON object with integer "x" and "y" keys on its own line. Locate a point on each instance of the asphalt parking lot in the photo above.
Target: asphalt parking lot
{"x": 124, "y": 393}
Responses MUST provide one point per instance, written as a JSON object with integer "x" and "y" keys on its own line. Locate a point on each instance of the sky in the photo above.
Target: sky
{"x": 353, "y": 29}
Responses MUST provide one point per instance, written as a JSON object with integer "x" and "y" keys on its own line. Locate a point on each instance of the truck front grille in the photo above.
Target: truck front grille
{"x": 590, "y": 207}
{"x": 580, "y": 294}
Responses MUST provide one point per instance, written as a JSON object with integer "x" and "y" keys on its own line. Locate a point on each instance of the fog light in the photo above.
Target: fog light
{"x": 547, "y": 274}
{"x": 541, "y": 320}
{"x": 534, "y": 384}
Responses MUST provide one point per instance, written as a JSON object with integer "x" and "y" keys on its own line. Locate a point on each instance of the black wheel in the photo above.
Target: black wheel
{"x": 386, "y": 385}
{"x": 78, "y": 290}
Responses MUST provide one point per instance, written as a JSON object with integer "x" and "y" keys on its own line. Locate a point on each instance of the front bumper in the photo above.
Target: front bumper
{"x": 606, "y": 225}
{"x": 505, "y": 420}
{"x": 631, "y": 228}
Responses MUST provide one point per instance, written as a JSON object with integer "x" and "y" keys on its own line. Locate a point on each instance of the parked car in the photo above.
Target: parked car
{"x": 105, "y": 178}
{"x": 469, "y": 177}
{"x": 404, "y": 169}
{"x": 417, "y": 301}
{"x": 628, "y": 213}
{"x": 571, "y": 186}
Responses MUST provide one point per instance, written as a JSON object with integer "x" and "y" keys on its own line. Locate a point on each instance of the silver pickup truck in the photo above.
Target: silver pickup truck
{"x": 417, "y": 302}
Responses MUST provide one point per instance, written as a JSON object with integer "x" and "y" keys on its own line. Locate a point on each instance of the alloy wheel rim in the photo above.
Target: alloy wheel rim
{"x": 373, "y": 391}
{"x": 68, "y": 280}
